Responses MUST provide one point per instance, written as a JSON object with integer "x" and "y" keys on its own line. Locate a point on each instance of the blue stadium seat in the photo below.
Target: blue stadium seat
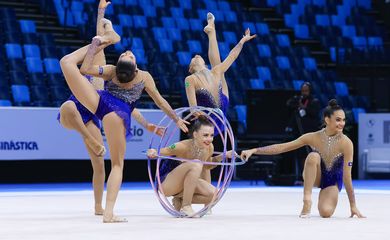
{"x": 194, "y": 46}
{"x": 168, "y": 22}
{"x": 5, "y": 103}
{"x": 290, "y": 20}
{"x": 27, "y": 26}
{"x": 174, "y": 34}
{"x": 34, "y": 65}
{"x": 338, "y": 20}
{"x": 140, "y": 56}
{"x": 32, "y": 50}
{"x": 159, "y": 33}
{"x": 376, "y": 42}
{"x": 322, "y": 20}
{"x": 196, "y": 24}
{"x": 30, "y": 38}
{"x": 77, "y": 6}
{"x": 262, "y": 29}
{"x": 241, "y": 113}
{"x": 223, "y": 49}
{"x": 283, "y": 40}
{"x": 136, "y": 43}
{"x": 297, "y": 84}
{"x": 341, "y": 88}
{"x": 17, "y": 78}
{"x": 46, "y": 39}
{"x": 36, "y": 79}
{"x": 224, "y": 6}
{"x": 283, "y": 62}
{"x": 359, "y": 42}
{"x": 160, "y": 3}
{"x": 150, "y": 11}
{"x": 264, "y": 50}
{"x": 219, "y": 16}
{"x": 140, "y": 21}
{"x": 165, "y": 45}
{"x": 59, "y": 93}
{"x": 131, "y": 3}
{"x": 56, "y": 79}
{"x": 273, "y": 3}
{"x": 20, "y": 93}
{"x": 125, "y": 20}
{"x": 230, "y": 37}
{"x": 185, "y": 4}
{"x": 310, "y": 63}
{"x": 264, "y": 73}
{"x": 176, "y": 12}
{"x": 211, "y": 5}
{"x": 183, "y": 24}
{"x": 348, "y": 31}
{"x": 13, "y": 50}
{"x": 366, "y": 4}
{"x": 52, "y": 65}
{"x": 4, "y": 92}
{"x": 301, "y": 31}
{"x": 8, "y": 13}
{"x": 257, "y": 84}
{"x": 321, "y": 3}
{"x": 39, "y": 93}
{"x": 145, "y": 3}
{"x": 202, "y": 13}
{"x": 79, "y": 17}
{"x": 184, "y": 58}
{"x": 230, "y": 16}
{"x": 16, "y": 64}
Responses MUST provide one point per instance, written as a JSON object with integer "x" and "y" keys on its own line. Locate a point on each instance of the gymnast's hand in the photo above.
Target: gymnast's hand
{"x": 182, "y": 125}
{"x": 247, "y": 37}
{"x": 230, "y": 153}
{"x": 157, "y": 129}
{"x": 151, "y": 153}
{"x": 245, "y": 155}
{"x": 197, "y": 114}
{"x": 355, "y": 211}
{"x": 104, "y": 3}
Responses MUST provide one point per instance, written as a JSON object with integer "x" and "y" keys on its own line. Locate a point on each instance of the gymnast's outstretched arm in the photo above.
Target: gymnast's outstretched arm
{"x": 278, "y": 148}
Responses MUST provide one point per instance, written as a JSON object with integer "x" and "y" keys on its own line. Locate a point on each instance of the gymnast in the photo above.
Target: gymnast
{"x": 327, "y": 167}
{"x": 123, "y": 88}
{"x": 182, "y": 180}
{"x": 73, "y": 115}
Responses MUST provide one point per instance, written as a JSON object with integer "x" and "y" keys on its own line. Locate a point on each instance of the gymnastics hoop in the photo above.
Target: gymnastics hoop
{"x": 227, "y": 168}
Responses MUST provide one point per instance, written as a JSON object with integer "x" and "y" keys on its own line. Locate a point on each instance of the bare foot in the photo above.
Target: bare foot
{"x": 96, "y": 147}
{"x": 114, "y": 219}
{"x": 188, "y": 211}
{"x": 305, "y": 213}
{"x": 176, "y": 202}
{"x": 210, "y": 23}
{"x": 99, "y": 211}
{"x": 108, "y": 28}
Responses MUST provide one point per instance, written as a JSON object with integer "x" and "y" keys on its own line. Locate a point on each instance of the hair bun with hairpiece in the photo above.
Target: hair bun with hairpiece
{"x": 333, "y": 103}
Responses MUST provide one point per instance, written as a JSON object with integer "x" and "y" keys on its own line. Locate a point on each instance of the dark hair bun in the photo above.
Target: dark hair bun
{"x": 333, "y": 103}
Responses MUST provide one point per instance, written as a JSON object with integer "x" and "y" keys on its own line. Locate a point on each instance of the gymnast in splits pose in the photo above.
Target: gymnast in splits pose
{"x": 114, "y": 105}
{"x": 327, "y": 167}
{"x": 73, "y": 115}
{"x": 184, "y": 178}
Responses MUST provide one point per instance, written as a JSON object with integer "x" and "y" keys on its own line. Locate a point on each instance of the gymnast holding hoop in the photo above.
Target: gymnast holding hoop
{"x": 183, "y": 179}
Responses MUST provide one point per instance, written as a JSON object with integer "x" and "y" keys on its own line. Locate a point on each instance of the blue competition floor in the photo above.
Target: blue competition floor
{"x": 358, "y": 184}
